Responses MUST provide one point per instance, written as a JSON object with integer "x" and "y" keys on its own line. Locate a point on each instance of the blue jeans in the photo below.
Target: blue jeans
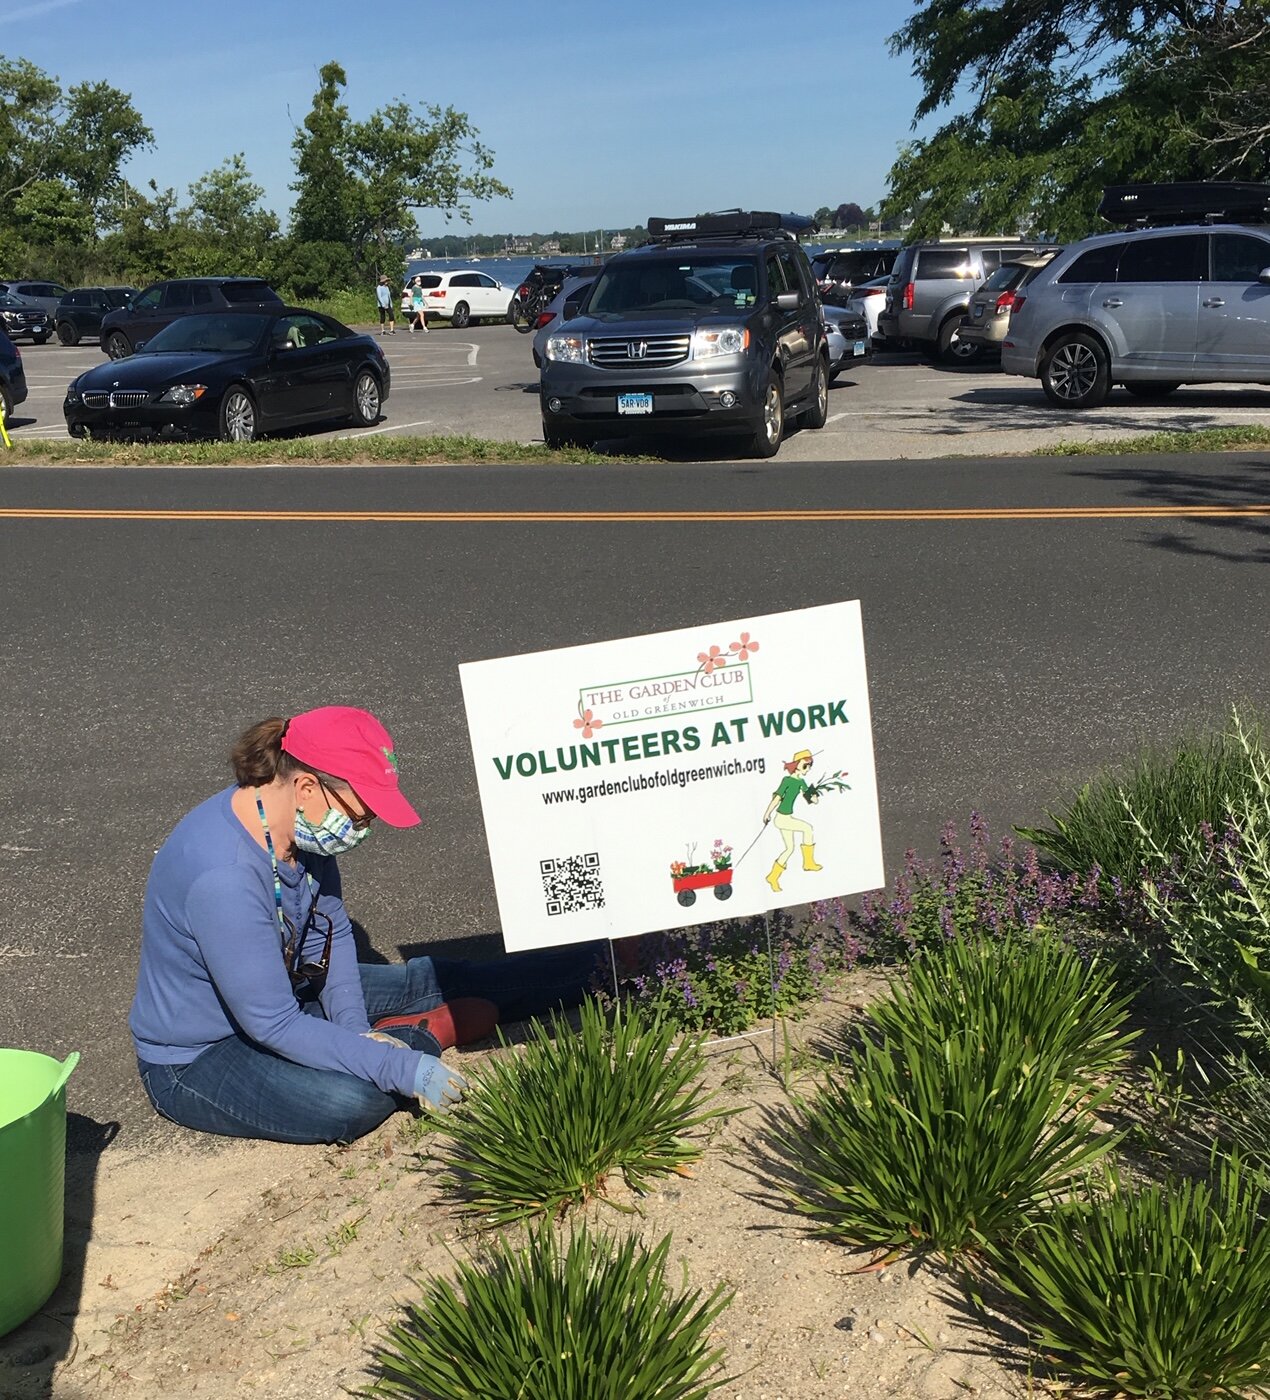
{"x": 239, "y": 1089}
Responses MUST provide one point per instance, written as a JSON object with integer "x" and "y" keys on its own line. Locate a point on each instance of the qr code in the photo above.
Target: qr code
{"x": 572, "y": 883}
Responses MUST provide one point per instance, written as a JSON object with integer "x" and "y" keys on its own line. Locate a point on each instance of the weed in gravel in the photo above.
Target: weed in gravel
{"x": 590, "y": 1319}
{"x": 296, "y": 1256}
{"x": 1155, "y": 1291}
{"x": 543, "y": 1127}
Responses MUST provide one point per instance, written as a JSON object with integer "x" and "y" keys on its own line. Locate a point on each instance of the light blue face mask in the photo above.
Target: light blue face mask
{"x": 333, "y": 836}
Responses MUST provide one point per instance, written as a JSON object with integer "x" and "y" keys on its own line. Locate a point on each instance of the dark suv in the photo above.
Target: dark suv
{"x": 79, "y": 313}
{"x": 12, "y": 379}
{"x": 127, "y": 327}
{"x": 840, "y": 270}
{"x": 713, "y": 325}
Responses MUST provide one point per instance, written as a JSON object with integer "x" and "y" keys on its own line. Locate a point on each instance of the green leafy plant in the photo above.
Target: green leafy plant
{"x": 543, "y": 1128}
{"x": 1033, "y": 989}
{"x": 1210, "y": 895}
{"x": 1172, "y": 792}
{"x": 1160, "y": 1291}
{"x": 592, "y": 1319}
{"x": 950, "y": 1124}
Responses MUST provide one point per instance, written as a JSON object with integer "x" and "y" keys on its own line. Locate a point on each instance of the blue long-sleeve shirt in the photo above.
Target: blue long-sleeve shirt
{"x": 211, "y": 956}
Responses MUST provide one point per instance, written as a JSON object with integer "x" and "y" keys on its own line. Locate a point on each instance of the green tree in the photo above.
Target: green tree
{"x": 358, "y": 183}
{"x": 1063, "y": 97}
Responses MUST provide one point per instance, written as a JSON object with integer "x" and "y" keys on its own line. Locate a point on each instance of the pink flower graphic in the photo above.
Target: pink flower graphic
{"x": 587, "y": 722}
{"x": 744, "y": 647}
{"x": 711, "y": 659}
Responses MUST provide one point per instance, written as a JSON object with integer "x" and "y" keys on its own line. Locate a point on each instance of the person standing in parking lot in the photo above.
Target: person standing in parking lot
{"x": 418, "y": 315}
{"x": 387, "y": 311}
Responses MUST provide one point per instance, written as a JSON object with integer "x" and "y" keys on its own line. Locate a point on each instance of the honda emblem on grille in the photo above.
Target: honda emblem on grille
{"x": 637, "y": 349}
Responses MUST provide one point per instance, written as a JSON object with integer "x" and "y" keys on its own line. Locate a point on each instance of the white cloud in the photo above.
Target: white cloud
{"x": 40, "y": 7}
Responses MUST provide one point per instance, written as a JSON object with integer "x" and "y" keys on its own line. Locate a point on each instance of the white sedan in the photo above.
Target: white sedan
{"x": 464, "y": 296}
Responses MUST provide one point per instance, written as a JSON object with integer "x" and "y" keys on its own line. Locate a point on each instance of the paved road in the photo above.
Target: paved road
{"x": 481, "y": 381}
{"x": 1068, "y": 611}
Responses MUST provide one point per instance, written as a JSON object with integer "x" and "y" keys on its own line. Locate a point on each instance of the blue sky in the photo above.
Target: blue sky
{"x": 597, "y": 115}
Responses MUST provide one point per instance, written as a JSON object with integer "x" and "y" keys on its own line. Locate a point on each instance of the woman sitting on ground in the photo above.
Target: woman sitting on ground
{"x": 253, "y": 1017}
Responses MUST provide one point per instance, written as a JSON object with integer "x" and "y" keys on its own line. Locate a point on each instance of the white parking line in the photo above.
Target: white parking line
{"x": 389, "y": 428}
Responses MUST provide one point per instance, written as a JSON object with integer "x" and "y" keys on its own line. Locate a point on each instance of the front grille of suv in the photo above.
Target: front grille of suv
{"x": 638, "y": 352}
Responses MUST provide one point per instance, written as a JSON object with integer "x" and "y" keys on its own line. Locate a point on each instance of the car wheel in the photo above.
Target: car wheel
{"x": 68, "y": 333}
{"x": 951, "y": 349}
{"x": 39, "y": 339}
{"x": 366, "y": 400}
{"x": 462, "y": 315}
{"x": 1149, "y": 389}
{"x": 817, "y": 411}
{"x": 511, "y": 312}
{"x": 6, "y": 401}
{"x": 117, "y": 346}
{"x": 238, "y": 416}
{"x": 1075, "y": 372}
{"x": 770, "y": 428}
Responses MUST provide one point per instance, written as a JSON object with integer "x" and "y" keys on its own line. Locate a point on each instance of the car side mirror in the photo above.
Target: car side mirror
{"x": 570, "y": 311}
{"x": 1264, "y": 277}
{"x": 788, "y": 301}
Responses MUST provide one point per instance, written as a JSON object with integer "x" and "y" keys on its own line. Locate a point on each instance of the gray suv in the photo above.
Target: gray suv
{"x": 930, "y": 289}
{"x": 1151, "y": 308}
{"x": 713, "y": 325}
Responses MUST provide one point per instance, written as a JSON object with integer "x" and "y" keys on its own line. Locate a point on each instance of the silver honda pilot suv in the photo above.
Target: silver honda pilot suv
{"x": 1152, "y": 308}
{"x": 712, "y": 326}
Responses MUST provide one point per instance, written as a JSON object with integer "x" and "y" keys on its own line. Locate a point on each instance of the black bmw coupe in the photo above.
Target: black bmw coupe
{"x": 233, "y": 375}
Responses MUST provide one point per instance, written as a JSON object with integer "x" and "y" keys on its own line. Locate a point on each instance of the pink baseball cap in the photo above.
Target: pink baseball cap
{"x": 352, "y": 744}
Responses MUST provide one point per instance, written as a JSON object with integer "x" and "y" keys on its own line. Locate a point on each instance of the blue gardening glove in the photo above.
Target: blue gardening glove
{"x": 436, "y": 1085}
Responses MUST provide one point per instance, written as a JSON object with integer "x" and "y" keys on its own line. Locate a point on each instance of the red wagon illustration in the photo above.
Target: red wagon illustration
{"x": 686, "y": 886}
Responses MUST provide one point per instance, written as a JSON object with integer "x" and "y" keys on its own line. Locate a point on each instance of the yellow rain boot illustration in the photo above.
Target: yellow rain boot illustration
{"x": 809, "y": 857}
{"x": 774, "y": 876}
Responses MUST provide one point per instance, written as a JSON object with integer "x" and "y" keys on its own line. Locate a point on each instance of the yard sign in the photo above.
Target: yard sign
{"x": 671, "y": 779}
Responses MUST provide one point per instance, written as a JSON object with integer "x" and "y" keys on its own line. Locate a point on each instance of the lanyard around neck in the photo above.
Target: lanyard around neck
{"x": 273, "y": 861}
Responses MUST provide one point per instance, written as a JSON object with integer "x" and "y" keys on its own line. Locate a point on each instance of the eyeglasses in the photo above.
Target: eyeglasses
{"x": 293, "y": 948}
{"x": 360, "y": 823}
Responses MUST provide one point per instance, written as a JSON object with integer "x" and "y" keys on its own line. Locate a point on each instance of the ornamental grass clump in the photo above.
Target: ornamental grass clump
{"x": 1159, "y": 1291}
{"x": 590, "y": 1319}
{"x": 546, "y": 1125}
{"x": 1037, "y": 990}
{"x": 1173, "y": 792}
{"x": 943, "y": 1128}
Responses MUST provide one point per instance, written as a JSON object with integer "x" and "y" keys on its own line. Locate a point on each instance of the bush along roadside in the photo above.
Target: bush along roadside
{"x": 590, "y": 1318}
{"x": 545, "y": 1127}
{"x": 939, "y": 1130}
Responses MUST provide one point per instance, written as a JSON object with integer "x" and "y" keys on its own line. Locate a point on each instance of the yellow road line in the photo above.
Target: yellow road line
{"x": 571, "y": 517}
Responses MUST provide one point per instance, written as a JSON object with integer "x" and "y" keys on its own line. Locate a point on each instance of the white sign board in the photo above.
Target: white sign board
{"x": 676, "y": 778}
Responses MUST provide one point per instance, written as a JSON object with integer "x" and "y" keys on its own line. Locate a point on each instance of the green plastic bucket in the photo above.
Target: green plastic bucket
{"x": 32, "y": 1180}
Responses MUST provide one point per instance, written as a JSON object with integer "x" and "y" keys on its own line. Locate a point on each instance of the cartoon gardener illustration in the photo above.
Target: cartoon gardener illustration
{"x": 789, "y": 826}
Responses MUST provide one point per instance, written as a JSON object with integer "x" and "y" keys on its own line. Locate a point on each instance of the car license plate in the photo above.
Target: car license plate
{"x": 859, "y": 348}
{"x": 634, "y": 403}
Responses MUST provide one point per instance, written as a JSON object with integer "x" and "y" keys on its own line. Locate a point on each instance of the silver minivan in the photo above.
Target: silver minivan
{"x": 1150, "y": 309}
{"x": 930, "y": 289}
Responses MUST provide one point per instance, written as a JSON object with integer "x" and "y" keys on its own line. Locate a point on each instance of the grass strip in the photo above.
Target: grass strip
{"x": 382, "y": 448}
{"x": 1177, "y": 440}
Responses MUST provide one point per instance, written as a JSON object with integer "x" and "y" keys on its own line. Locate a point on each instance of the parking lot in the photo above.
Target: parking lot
{"x": 481, "y": 381}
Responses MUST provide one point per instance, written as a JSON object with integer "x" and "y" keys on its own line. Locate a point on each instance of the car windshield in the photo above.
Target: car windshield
{"x": 117, "y": 296}
{"x": 1006, "y": 276}
{"x": 688, "y": 282}
{"x": 218, "y": 335}
{"x": 236, "y": 292}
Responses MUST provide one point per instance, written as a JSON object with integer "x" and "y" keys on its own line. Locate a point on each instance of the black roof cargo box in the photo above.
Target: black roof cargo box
{"x": 1187, "y": 202}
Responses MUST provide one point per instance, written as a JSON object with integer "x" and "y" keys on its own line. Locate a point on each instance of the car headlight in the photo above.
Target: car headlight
{"x": 72, "y": 392}
{"x": 567, "y": 349}
{"x": 184, "y": 394}
{"x": 727, "y": 340}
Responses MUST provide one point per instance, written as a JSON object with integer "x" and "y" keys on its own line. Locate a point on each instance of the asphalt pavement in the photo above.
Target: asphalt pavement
{"x": 1025, "y": 620}
{"x": 481, "y": 381}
